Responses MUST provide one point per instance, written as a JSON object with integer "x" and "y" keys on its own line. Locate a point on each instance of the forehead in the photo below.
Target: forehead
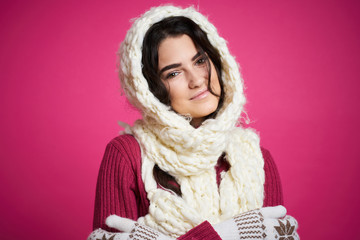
{"x": 176, "y": 50}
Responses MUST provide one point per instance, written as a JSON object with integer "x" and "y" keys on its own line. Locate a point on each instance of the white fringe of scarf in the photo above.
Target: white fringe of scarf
{"x": 190, "y": 155}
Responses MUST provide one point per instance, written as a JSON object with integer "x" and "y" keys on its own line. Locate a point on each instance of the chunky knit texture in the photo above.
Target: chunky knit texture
{"x": 120, "y": 189}
{"x": 190, "y": 155}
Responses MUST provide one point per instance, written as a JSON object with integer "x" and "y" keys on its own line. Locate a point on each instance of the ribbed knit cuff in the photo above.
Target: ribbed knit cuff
{"x": 202, "y": 231}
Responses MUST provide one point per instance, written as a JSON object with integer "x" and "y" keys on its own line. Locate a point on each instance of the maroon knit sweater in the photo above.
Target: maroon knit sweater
{"x": 120, "y": 189}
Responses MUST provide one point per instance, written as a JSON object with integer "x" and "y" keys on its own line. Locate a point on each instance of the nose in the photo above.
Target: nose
{"x": 195, "y": 79}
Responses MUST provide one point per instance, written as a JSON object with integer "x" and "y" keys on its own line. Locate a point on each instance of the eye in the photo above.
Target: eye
{"x": 200, "y": 61}
{"x": 171, "y": 75}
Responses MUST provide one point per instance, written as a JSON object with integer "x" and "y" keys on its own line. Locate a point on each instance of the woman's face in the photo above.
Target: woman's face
{"x": 184, "y": 71}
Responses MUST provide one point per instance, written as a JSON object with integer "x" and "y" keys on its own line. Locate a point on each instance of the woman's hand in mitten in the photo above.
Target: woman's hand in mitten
{"x": 282, "y": 228}
{"x": 134, "y": 230}
{"x": 101, "y": 234}
{"x": 265, "y": 223}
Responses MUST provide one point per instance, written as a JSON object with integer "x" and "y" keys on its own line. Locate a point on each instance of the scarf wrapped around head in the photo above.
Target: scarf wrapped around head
{"x": 187, "y": 153}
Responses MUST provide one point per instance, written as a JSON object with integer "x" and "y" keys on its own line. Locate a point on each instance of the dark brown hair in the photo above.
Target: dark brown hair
{"x": 173, "y": 27}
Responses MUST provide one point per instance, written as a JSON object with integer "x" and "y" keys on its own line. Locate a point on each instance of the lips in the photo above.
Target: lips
{"x": 200, "y": 95}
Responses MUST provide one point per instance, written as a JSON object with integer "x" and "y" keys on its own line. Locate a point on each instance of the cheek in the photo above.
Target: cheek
{"x": 177, "y": 92}
{"x": 176, "y": 98}
{"x": 177, "y": 104}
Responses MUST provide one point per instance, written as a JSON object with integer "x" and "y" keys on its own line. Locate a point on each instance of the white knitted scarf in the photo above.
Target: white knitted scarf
{"x": 187, "y": 153}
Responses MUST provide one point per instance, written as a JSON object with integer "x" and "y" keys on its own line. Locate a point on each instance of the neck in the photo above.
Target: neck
{"x": 196, "y": 122}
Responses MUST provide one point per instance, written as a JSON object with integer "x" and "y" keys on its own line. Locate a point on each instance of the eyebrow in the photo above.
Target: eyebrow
{"x": 175, "y": 65}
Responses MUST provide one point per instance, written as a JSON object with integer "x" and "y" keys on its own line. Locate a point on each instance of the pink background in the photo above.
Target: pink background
{"x": 60, "y": 104}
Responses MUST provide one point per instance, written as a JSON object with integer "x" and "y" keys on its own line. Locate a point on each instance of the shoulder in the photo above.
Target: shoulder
{"x": 268, "y": 159}
{"x": 264, "y": 151}
{"x": 269, "y": 163}
{"x": 123, "y": 150}
{"x": 125, "y": 142}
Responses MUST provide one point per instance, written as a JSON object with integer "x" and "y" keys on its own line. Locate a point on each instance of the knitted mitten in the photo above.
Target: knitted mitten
{"x": 266, "y": 223}
{"x": 133, "y": 230}
{"x": 101, "y": 234}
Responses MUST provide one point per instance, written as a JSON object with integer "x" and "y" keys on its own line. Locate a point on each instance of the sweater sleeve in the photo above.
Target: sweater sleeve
{"x": 117, "y": 190}
{"x": 272, "y": 186}
{"x": 201, "y": 232}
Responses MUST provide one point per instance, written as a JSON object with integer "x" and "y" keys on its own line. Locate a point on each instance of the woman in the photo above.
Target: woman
{"x": 185, "y": 170}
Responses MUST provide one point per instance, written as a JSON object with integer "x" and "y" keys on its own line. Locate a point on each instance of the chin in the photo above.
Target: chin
{"x": 197, "y": 110}
{"x": 204, "y": 111}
